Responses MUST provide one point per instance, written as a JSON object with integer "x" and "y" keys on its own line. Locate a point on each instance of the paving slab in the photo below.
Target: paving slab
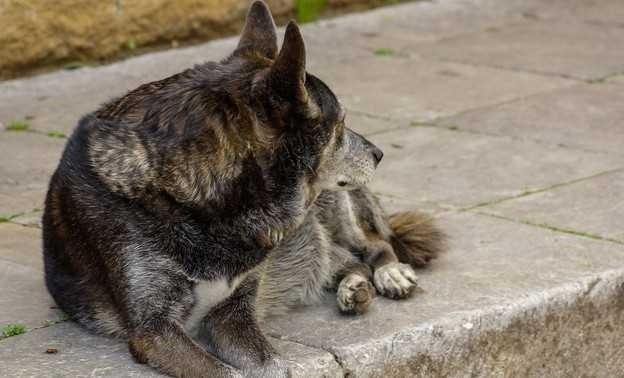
{"x": 24, "y": 298}
{"x": 594, "y": 206}
{"x": 418, "y": 89}
{"x": 79, "y": 354}
{"x": 503, "y": 295}
{"x": 28, "y": 161}
{"x": 21, "y": 245}
{"x": 618, "y": 79}
{"x": 82, "y": 354}
{"x": 599, "y": 11}
{"x": 588, "y": 116}
{"x": 367, "y": 125}
{"x": 570, "y": 48}
{"x": 457, "y": 169}
{"x": 403, "y": 26}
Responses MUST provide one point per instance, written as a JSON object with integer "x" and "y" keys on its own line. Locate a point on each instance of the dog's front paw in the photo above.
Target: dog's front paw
{"x": 395, "y": 280}
{"x": 355, "y": 294}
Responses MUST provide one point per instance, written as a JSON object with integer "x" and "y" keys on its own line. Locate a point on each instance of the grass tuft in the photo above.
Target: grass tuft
{"x": 13, "y": 330}
{"x": 56, "y": 134}
{"x": 309, "y": 10}
{"x": 384, "y": 51}
{"x": 17, "y": 125}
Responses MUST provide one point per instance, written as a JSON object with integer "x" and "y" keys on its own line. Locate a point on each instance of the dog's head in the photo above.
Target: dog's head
{"x": 301, "y": 116}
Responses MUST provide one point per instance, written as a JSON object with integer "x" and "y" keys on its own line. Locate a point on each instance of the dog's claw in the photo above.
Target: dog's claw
{"x": 395, "y": 280}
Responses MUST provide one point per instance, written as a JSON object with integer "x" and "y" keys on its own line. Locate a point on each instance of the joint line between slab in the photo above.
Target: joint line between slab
{"x": 552, "y": 228}
{"x": 536, "y": 191}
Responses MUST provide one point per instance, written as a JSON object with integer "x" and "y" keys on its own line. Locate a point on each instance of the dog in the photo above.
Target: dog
{"x": 186, "y": 210}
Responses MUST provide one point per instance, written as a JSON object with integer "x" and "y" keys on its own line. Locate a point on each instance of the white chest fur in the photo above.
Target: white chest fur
{"x": 207, "y": 295}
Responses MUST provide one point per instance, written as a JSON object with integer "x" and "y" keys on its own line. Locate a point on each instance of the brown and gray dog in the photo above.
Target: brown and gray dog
{"x": 185, "y": 210}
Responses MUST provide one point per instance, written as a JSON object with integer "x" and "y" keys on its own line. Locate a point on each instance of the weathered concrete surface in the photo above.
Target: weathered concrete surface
{"x": 28, "y": 161}
{"x": 564, "y": 48}
{"x": 500, "y": 148}
{"x": 82, "y": 354}
{"x": 618, "y": 79}
{"x": 585, "y": 116}
{"x": 23, "y": 296}
{"x": 594, "y": 207}
{"x": 459, "y": 169}
{"x": 79, "y": 354}
{"x": 434, "y": 89}
{"x": 507, "y": 300}
{"x": 21, "y": 245}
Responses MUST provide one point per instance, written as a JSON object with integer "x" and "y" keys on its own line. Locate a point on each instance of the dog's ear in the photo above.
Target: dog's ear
{"x": 287, "y": 75}
{"x": 258, "y": 35}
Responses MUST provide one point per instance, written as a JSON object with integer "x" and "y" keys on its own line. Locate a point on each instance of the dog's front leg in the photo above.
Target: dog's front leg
{"x": 231, "y": 332}
{"x": 168, "y": 348}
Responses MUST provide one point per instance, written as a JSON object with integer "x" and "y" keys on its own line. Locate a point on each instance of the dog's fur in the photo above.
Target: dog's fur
{"x": 189, "y": 207}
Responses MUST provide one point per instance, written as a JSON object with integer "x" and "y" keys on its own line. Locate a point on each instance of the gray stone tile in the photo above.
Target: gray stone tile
{"x": 597, "y": 11}
{"x": 587, "y": 116}
{"x": 459, "y": 169}
{"x": 619, "y": 79}
{"x": 492, "y": 267}
{"x": 403, "y": 26}
{"x": 366, "y": 125}
{"x": 28, "y": 161}
{"x": 594, "y": 206}
{"x": 24, "y": 298}
{"x": 571, "y": 48}
{"x": 21, "y": 245}
{"x": 82, "y": 354}
{"x": 421, "y": 90}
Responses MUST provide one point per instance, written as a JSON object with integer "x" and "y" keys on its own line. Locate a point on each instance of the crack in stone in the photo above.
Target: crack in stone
{"x": 345, "y": 371}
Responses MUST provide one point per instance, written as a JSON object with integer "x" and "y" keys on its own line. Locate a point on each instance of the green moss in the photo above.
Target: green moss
{"x": 56, "y": 134}
{"x": 13, "y": 330}
{"x": 309, "y": 10}
{"x": 384, "y": 51}
{"x": 17, "y": 125}
{"x": 132, "y": 45}
{"x": 4, "y": 219}
{"x": 597, "y": 81}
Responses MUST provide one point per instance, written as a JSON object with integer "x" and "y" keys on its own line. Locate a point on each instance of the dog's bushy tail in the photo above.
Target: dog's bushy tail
{"x": 416, "y": 239}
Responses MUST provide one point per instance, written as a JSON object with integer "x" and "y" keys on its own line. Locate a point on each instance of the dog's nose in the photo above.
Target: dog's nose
{"x": 378, "y": 154}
